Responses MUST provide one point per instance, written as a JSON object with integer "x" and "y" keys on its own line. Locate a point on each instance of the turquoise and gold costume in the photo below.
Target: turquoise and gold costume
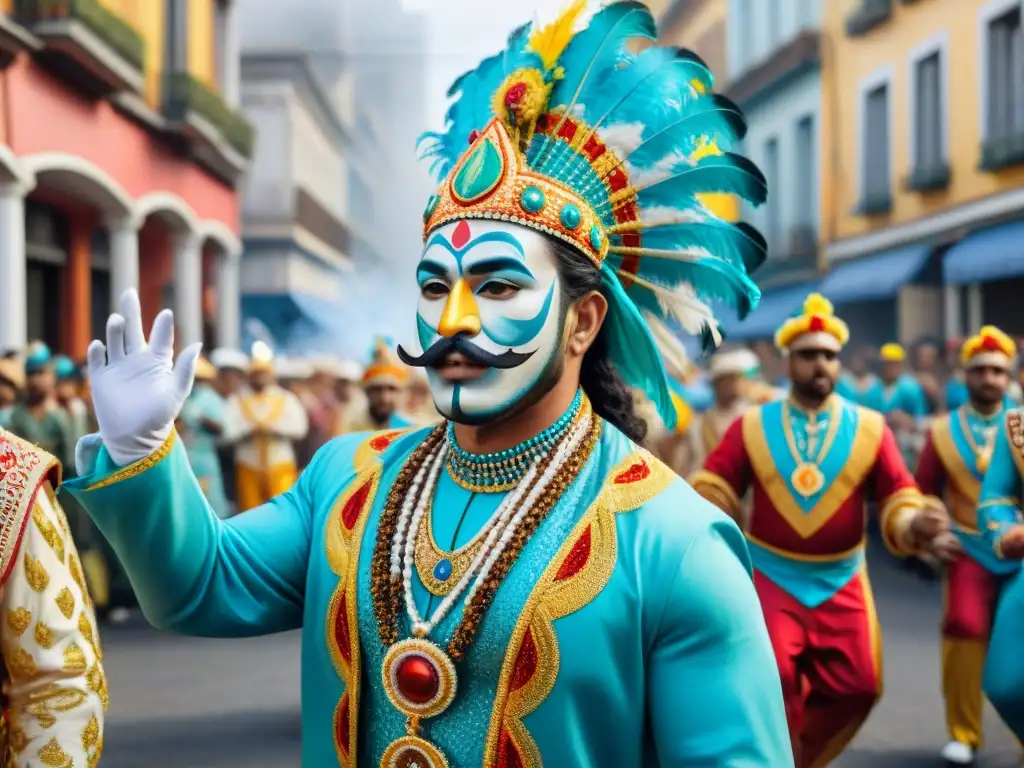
{"x": 999, "y": 510}
{"x": 205, "y": 404}
{"x": 693, "y": 652}
{"x": 868, "y": 393}
{"x": 904, "y": 394}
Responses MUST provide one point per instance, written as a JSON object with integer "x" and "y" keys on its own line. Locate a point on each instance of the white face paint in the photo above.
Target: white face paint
{"x": 497, "y": 286}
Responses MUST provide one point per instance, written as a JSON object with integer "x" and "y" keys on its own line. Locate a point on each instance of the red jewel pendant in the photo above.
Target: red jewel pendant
{"x": 419, "y": 678}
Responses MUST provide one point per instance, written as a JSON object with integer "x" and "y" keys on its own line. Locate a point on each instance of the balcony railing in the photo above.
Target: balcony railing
{"x": 88, "y": 40}
{"x": 869, "y": 15}
{"x": 929, "y": 178}
{"x": 186, "y": 97}
{"x": 1003, "y": 152}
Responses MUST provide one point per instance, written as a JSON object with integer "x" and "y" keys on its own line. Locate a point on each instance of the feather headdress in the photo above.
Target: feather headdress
{"x": 609, "y": 146}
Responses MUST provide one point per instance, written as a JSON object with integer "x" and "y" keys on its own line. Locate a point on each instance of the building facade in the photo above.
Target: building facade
{"x": 923, "y": 204}
{"x": 120, "y": 151}
{"x": 295, "y": 203}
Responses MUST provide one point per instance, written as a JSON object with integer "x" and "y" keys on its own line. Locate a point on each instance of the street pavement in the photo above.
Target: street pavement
{"x": 193, "y": 703}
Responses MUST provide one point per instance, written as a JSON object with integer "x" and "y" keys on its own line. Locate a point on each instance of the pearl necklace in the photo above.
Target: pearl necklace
{"x": 499, "y": 528}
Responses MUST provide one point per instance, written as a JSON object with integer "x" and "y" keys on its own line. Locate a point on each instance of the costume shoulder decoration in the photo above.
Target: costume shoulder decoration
{"x": 23, "y": 468}
{"x": 583, "y": 130}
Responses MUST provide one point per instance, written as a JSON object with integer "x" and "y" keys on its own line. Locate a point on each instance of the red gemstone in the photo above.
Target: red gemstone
{"x": 577, "y": 557}
{"x": 514, "y": 95}
{"x": 635, "y": 473}
{"x": 461, "y": 234}
{"x": 817, "y": 324}
{"x": 990, "y": 344}
{"x": 474, "y": 135}
{"x": 354, "y": 505}
{"x": 417, "y": 679}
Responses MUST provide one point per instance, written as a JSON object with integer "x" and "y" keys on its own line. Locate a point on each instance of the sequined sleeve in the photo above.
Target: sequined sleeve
{"x": 57, "y": 689}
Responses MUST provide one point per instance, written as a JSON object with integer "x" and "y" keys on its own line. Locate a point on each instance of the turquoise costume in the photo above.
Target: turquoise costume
{"x": 868, "y": 393}
{"x": 684, "y": 676}
{"x": 998, "y": 510}
{"x": 205, "y": 404}
{"x": 906, "y": 395}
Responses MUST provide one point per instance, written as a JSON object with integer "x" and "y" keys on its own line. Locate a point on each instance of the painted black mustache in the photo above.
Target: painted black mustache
{"x": 443, "y": 347}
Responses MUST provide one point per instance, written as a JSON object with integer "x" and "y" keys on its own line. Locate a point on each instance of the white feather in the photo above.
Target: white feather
{"x": 682, "y": 304}
{"x": 677, "y": 361}
{"x": 669, "y": 165}
{"x": 660, "y": 215}
{"x": 622, "y": 138}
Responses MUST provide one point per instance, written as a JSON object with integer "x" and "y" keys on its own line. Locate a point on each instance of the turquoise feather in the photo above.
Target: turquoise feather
{"x": 713, "y": 117}
{"x": 742, "y": 246}
{"x": 728, "y": 173}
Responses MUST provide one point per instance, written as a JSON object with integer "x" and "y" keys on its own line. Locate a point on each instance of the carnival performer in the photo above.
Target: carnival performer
{"x": 955, "y": 458}
{"x": 38, "y": 418}
{"x": 812, "y": 461}
{"x": 727, "y": 371}
{"x": 448, "y": 577}
{"x": 54, "y": 691}
{"x": 858, "y": 383}
{"x": 263, "y": 423}
{"x": 201, "y": 424}
{"x": 384, "y": 383}
{"x": 1002, "y": 526}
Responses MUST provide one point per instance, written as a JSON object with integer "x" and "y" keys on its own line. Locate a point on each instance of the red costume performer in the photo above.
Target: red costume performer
{"x": 953, "y": 463}
{"x": 811, "y": 473}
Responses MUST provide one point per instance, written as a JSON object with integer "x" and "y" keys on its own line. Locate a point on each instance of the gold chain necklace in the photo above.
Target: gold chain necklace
{"x": 982, "y": 453}
{"x": 438, "y": 570}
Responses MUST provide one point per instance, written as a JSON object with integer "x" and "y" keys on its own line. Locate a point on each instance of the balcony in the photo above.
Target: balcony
{"x": 929, "y": 178}
{"x": 876, "y": 203}
{"x": 86, "y": 44}
{"x": 219, "y": 136}
{"x": 869, "y": 15}
{"x": 1004, "y": 152}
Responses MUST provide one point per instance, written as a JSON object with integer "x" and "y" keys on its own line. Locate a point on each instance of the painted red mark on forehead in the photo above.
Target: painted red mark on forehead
{"x": 461, "y": 234}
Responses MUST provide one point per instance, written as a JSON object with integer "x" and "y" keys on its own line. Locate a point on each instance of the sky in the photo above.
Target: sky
{"x": 463, "y": 32}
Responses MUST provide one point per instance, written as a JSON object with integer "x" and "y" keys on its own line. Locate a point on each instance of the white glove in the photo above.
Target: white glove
{"x": 137, "y": 391}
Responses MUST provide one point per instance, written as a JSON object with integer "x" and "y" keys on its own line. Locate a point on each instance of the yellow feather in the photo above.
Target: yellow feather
{"x": 549, "y": 42}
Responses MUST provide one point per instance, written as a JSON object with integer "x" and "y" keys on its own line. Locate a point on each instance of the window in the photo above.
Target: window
{"x": 928, "y": 112}
{"x": 1005, "y": 76}
{"x": 220, "y": 40}
{"x": 771, "y": 173}
{"x": 806, "y": 172}
{"x": 875, "y": 152}
{"x": 176, "y": 35}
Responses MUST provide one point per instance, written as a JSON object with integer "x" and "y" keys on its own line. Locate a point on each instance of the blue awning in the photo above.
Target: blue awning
{"x": 302, "y": 324}
{"x": 986, "y": 255}
{"x": 874, "y": 277}
{"x": 775, "y": 306}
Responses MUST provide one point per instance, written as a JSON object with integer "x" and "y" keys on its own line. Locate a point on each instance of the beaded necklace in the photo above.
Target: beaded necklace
{"x": 502, "y": 470}
{"x": 419, "y": 676}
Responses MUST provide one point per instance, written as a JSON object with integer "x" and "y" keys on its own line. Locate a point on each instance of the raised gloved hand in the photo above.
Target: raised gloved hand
{"x": 137, "y": 389}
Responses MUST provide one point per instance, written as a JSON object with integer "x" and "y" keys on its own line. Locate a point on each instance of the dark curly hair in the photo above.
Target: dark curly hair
{"x": 611, "y": 398}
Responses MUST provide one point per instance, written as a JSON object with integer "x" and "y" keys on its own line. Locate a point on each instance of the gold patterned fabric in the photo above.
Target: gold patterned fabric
{"x": 56, "y": 689}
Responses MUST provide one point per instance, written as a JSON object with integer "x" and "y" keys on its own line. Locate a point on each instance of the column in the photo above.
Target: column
{"x": 13, "y": 284}
{"x": 975, "y": 311}
{"x": 76, "y": 323}
{"x": 188, "y": 289}
{"x": 229, "y": 301}
{"x": 953, "y": 323}
{"x": 124, "y": 257}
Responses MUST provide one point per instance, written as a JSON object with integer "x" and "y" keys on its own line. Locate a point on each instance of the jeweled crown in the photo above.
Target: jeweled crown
{"x": 492, "y": 181}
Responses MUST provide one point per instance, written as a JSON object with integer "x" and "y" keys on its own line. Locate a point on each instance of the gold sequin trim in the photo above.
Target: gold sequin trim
{"x": 91, "y": 733}
{"x": 52, "y": 754}
{"x": 66, "y": 602}
{"x": 21, "y": 664}
{"x": 634, "y": 482}
{"x": 136, "y": 469}
{"x": 94, "y": 758}
{"x": 44, "y": 636}
{"x": 78, "y": 576}
{"x": 48, "y": 531}
{"x": 19, "y": 620}
{"x": 36, "y": 575}
{"x": 74, "y": 659}
{"x": 85, "y": 627}
{"x": 97, "y": 683}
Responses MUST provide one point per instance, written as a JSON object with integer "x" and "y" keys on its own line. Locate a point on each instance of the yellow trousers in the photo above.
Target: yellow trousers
{"x": 963, "y": 664}
{"x": 256, "y": 487}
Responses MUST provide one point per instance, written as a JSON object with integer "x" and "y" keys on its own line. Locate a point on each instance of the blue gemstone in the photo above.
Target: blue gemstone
{"x": 532, "y": 200}
{"x": 596, "y": 238}
{"x": 443, "y": 569}
{"x": 570, "y": 216}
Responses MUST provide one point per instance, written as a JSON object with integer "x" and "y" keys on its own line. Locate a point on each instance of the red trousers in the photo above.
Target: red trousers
{"x": 830, "y": 662}
{"x": 969, "y": 599}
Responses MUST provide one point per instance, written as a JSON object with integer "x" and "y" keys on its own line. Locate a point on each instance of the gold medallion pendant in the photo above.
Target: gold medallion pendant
{"x": 420, "y": 681}
{"x": 983, "y": 459}
{"x": 807, "y": 479}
